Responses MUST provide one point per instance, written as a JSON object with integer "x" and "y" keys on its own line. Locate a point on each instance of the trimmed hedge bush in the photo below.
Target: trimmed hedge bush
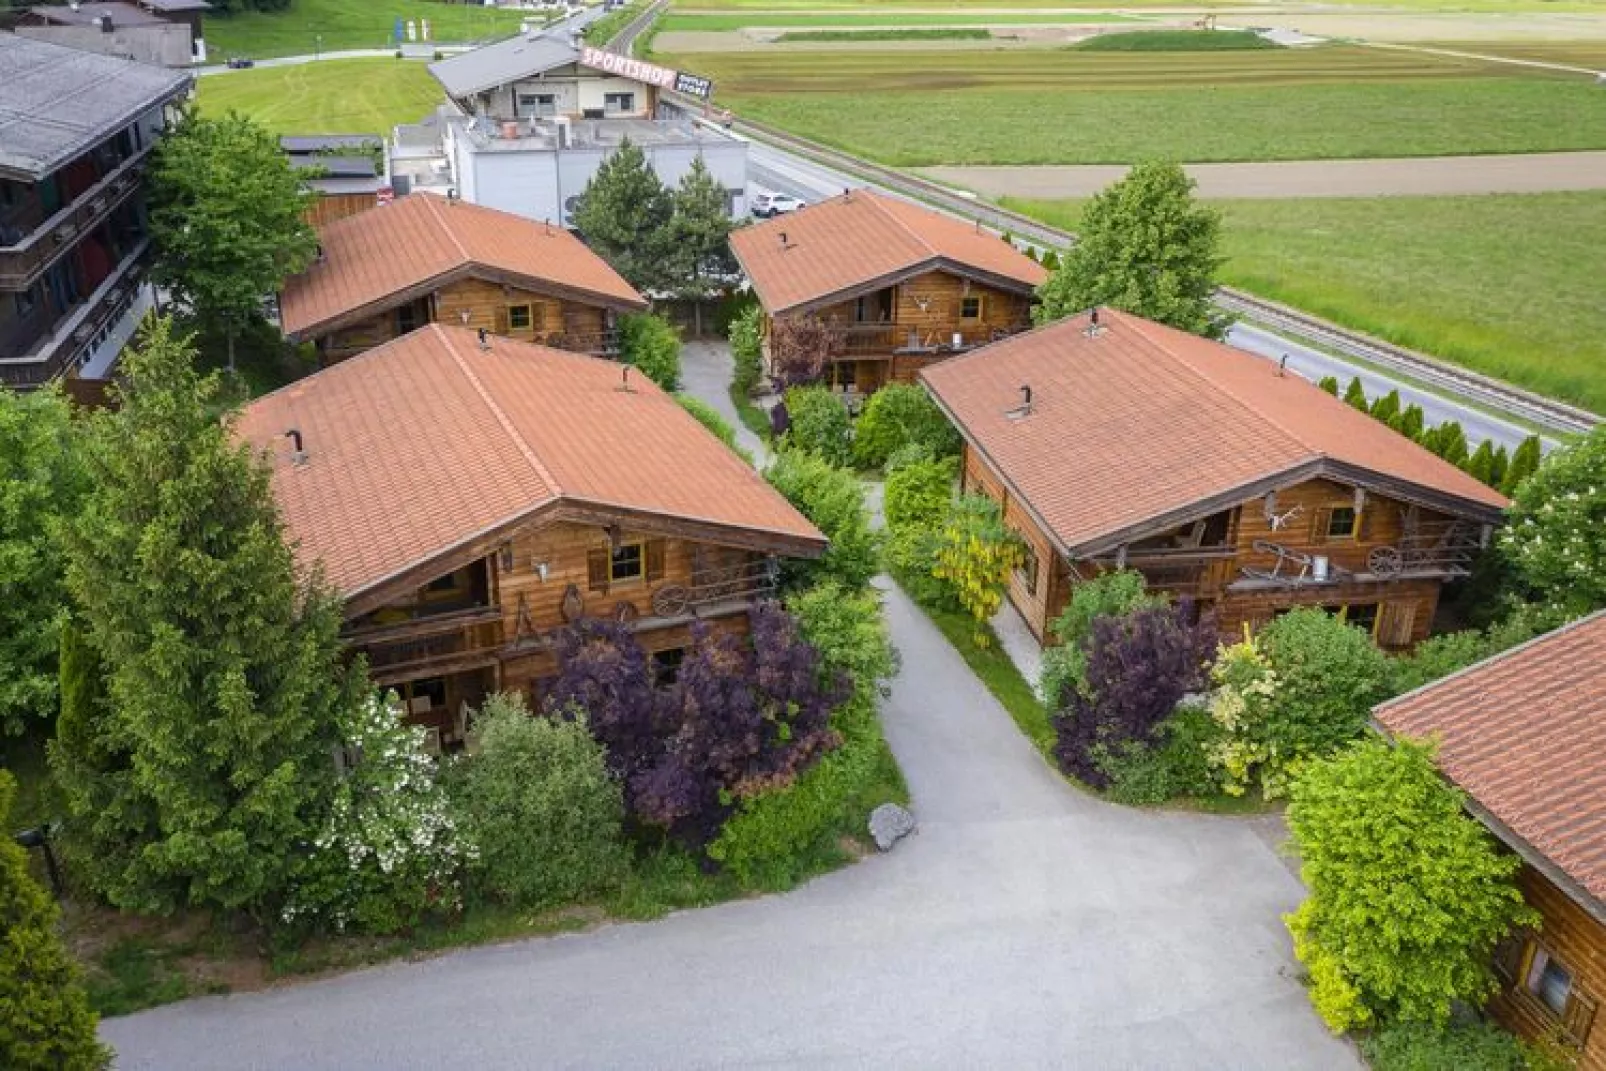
{"x": 898, "y": 415}
{"x": 833, "y": 498}
{"x": 820, "y": 425}
{"x": 652, "y": 345}
{"x": 747, "y": 348}
{"x": 709, "y": 417}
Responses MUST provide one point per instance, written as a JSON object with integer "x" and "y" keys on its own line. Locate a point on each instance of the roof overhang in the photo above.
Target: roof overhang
{"x": 881, "y": 282}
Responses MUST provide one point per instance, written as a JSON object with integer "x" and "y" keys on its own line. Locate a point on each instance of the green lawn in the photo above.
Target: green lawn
{"x": 1038, "y": 106}
{"x": 348, "y": 24}
{"x": 1176, "y": 41}
{"x": 908, "y": 33}
{"x": 714, "y": 22}
{"x": 1506, "y": 284}
{"x": 360, "y": 96}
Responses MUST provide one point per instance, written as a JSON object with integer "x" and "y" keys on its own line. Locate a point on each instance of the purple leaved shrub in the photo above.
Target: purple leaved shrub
{"x": 1138, "y": 666}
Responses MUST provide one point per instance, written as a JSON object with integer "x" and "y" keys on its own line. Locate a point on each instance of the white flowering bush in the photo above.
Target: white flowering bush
{"x": 1556, "y": 536}
{"x": 1242, "y": 698}
{"x": 390, "y": 851}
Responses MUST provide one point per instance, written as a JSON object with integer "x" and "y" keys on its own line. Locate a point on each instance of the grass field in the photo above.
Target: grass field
{"x": 1591, "y": 54}
{"x": 347, "y": 24}
{"x": 1495, "y": 6}
{"x": 1507, "y": 284}
{"x": 357, "y": 96}
{"x": 721, "y": 22}
{"x": 1033, "y": 107}
{"x": 935, "y": 33}
{"x": 1176, "y": 41}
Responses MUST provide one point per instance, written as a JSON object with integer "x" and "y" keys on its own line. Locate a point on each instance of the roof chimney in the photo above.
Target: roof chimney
{"x": 1093, "y": 326}
{"x": 104, "y": 22}
{"x": 298, "y": 455}
{"x": 784, "y": 243}
{"x": 624, "y": 380}
{"x": 485, "y": 339}
{"x": 1282, "y": 366}
{"x": 1024, "y": 409}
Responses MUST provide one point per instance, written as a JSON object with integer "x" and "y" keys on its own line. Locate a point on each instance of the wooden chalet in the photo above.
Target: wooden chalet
{"x": 1524, "y": 733}
{"x": 1116, "y": 442}
{"x": 427, "y": 259}
{"x": 903, "y": 286}
{"x": 468, "y": 498}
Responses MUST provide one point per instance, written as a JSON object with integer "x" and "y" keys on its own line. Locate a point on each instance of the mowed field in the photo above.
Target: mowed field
{"x": 1504, "y": 284}
{"x": 724, "y": 22}
{"x": 345, "y": 24}
{"x": 1038, "y": 107}
{"x": 355, "y": 96}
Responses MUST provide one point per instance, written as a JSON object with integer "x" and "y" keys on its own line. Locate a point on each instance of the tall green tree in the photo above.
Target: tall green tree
{"x": 1524, "y": 463}
{"x": 41, "y": 482}
{"x": 1144, "y": 246}
{"x": 1408, "y": 895}
{"x": 1556, "y": 535}
{"x": 1355, "y": 395}
{"x": 624, "y": 215}
{"x": 697, "y": 239}
{"x": 227, "y": 220}
{"x": 224, "y": 678}
{"x": 45, "y": 1020}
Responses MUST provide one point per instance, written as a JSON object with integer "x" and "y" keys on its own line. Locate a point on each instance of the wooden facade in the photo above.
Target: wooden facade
{"x": 501, "y": 308}
{"x": 487, "y": 624}
{"x": 1553, "y": 980}
{"x": 326, "y": 208}
{"x": 1317, "y": 543}
{"x": 888, "y": 333}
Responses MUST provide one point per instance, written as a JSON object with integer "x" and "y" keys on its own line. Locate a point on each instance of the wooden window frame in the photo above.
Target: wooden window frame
{"x": 529, "y": 317}
{"x": 981, "y": 306}
{"x": 1030, "y": 566}
{"x": 640, "y": 556}
{"x": 1577, "y": 1016}
{"x": 1354, "y": 531}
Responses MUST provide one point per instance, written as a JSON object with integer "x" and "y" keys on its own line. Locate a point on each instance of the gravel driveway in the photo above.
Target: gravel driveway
{"x": 1024, "y": 925}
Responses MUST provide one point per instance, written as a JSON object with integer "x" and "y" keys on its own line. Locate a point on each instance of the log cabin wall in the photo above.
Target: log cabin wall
{"x": 508, "y": 311}
{"x": 326, "y": 208}
{"x": 1577, "y": 942}
{"x": 1037, "y": 590}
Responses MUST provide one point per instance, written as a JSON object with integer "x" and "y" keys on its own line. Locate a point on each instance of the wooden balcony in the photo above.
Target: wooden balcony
{"x": 431, "y": 645}
{"x": 39, "y": 352}
{"x": 860, "y": 340}
{"x": 594, "y": 343}
{"x": 1184, "y": 572}
{"x": 26, "y": 260}
{"x": 1440, "y": 551}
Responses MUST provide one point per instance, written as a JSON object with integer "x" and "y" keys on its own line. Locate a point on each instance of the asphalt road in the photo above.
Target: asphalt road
{"x": 772, "y": 169}
{"x": 1024, "y": 925}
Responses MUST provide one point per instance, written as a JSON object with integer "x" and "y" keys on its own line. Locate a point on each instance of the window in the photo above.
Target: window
{"x": 1341, "y": 523}
{"x": 518, "y": 317}
{"x": 970, "y": 308}
{"x": 626, "y": 563}
{"x": 844, "y": 374}
{"x": 1028, "y": 567}
{"x": 410, "y": 317}
{"x": 619, "y": 102}
{"x": 1549, "y": 981}
{"x": 537, "y": 104}
{"x": 666, "y": 664}
{"x": 1362, "y": 615}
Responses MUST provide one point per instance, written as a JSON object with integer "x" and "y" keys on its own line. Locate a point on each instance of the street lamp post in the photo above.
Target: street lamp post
{"x": 317, "y": 46}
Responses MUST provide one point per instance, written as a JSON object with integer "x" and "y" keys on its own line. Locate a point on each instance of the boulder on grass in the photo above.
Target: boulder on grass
{"x": 889, "y": 824}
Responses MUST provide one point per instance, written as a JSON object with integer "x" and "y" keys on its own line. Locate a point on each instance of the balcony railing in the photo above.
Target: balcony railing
{"x": 1441, "y": 550}
{"x": 25, "y": 261}
{"x": 907, "y": 340}
{"x": 44, "y": 353}
{"x": 429, "y": 646}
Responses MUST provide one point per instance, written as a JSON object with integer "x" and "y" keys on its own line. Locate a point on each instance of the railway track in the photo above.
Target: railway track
{"x": 1469, "y": 386}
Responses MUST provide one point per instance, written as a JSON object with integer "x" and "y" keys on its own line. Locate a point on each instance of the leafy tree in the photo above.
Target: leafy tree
{"x": 41, "y": 483}
{"x": 1411, "y": 422}
{"x": 538, "y": 804}
{"x": 1112, "y": 594}
{"x": 389, "y": 851}
{"x": 624, "y": 214}
{"x": 1440, "y": 656}
{"x": 919, "y": 495}
{"x": 1355, "y": 395}
{"x": 747, "y": 348}
{"x": 1051, "y": 260}
{"x": 1387, "y": 408}
{"x": 226, "y": 219}
{"x": 651, "y": 343}
{"x": 1555, "y": 538}
{"x": 833, "y": 499}
{"x": 1145, "y": 246}
{"x": 895, "y": 416}
{"x": 1243, "y": 698}
{"x": 1524, "y": 463}
{"x": 820, "y": 425}
{"x": 45, "y": 1020}
{"x": 1408, "y": 894}
{"x": 800, "y": 347}
{"x": 1138, "y": 667}
{"x": 1329, "y": 384}
{"x": 976, "y": 554}
{"x": 223, "y": 664}
{"x": 697, "y": 239}
{"x": 1329, "y": 674}
{"x": 1463, "y": 1046}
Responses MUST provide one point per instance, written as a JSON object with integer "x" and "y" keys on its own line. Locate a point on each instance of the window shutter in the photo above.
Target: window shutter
{"x": 1508, "y": 957}
{"x": 1395, "y": 621}
{"x": 654, "y": 553}
{"x": 1320, "y": 519}
{"x": 1363, "y": 523}
{"x": 597, "y": 569}
{"x": 1580, "y": 1016}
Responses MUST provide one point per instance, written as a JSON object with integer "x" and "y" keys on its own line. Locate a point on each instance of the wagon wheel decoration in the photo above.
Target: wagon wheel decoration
{"x": 1384, "y": 561}
{"x": 624, "y": 611}
{"x": 670, "y": 600}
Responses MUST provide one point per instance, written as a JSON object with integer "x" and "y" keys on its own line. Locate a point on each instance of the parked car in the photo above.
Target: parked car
{"x": 238, "y": 63}
{"x": 775, "y": 204}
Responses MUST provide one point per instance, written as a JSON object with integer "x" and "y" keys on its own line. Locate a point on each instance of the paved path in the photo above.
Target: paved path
{"x": 1024, "y": 925}
{"x": 1513, "y": 173}
{"x": 705, "y": 370}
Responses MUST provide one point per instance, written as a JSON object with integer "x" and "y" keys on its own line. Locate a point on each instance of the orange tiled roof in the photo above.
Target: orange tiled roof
{"x": 1525, "y": 734}
{"x": 385, "y": 251}
{"x": 1142, "y": 421}
{"x": 427, "y": 441}
{"x": 860, "y": 237}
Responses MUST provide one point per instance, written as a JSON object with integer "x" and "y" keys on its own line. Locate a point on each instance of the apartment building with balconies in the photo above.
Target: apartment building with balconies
{"x": 76, "y": 132}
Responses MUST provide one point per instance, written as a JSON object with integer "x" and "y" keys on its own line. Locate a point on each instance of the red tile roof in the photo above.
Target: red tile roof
{"x": 372, "y": 258}
{"x": 426, "y": 442}
{"x": 1141, "y": 421}
{"x": 861, "y": 237}
{"x": 1525, "y": 734}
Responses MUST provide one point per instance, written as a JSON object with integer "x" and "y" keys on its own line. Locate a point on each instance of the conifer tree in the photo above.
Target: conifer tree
{"x": 1355, "y": 395}
{"x": 223, "y": 670}
{"x": 1452, "y": 444}
{"x": 45, "y": 1021}
{"x": 1387, "y": 408}
{"x": 698, "y": 239}
{"x": 1411, "y": 422}
{"x": 1481, "y": 465}
{"x": 623, "y": 216}
{"x": 1523, "y": 464}
{"x": 1329, "y": 384}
